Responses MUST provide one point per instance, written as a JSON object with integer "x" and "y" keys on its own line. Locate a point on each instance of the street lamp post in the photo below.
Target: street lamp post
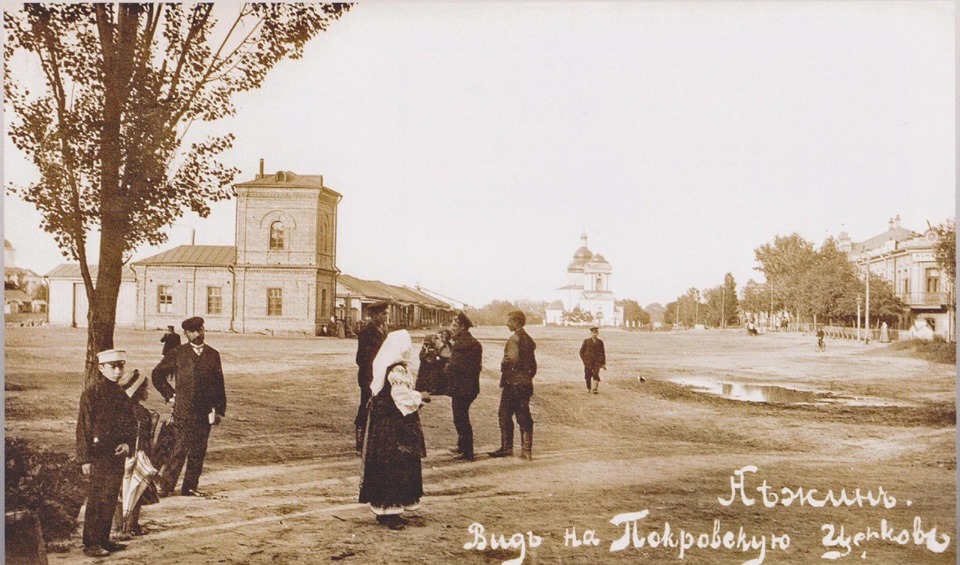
{"x": 866, "y": 324}
{"x": 859, "y": 302}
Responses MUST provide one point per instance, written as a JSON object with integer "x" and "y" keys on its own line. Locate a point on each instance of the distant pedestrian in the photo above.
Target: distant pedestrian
{"x": 106, "y": 432}
{"x": 462, "y": 381}
{"x": 199, "y": 402}
{"x": 391, "y": 479}
{"x": 594, "y": 358}
{"x": 170, "y": 340}
{"x": 517, "y": 370}
{"x": 368, "y": 344}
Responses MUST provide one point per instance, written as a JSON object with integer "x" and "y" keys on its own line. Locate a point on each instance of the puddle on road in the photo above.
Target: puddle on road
{"x": 775, "y": 394}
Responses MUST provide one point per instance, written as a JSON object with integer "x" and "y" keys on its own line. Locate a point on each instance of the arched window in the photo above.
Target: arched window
{"x": 281, "y": 177}
{"x": 276, "y": 236}
{"x": 599, "y": 282}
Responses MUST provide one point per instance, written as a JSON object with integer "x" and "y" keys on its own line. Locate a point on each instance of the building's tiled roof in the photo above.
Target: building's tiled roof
{"x": 893, "y": 234}
{"x": 194, "y": 256}
{"x": 15, "y": 295}
{"x": 291, "y": 180}
{"x": 377, "y": 291}
{"x": 72, "y": 271}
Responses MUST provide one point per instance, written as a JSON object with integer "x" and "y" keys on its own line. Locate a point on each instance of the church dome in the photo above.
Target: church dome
{"x": 581, "y": 256}
{"x": 599, "y": 259}
{"x": 598, "y": 264}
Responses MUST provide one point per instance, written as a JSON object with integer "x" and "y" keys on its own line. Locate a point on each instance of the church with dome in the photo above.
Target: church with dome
{"x": 587, "y": 291}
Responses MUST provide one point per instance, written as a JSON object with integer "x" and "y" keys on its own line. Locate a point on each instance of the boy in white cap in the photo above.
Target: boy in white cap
{"x": 106, "y": 430}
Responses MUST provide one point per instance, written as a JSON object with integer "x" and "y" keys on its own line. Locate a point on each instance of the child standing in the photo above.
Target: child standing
{"x": 139, "y": 468}
{"x": 106, "y": 430}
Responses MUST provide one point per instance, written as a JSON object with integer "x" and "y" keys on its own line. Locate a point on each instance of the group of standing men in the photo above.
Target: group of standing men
{"x": 107, "y": 427}
{"x": 461, "y": 378}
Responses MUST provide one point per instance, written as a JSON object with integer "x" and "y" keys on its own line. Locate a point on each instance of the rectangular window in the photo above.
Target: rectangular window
{"x": 214, "y": 300}
{"x": 164, "y": 299}
{"x": 933, "y": 280}
{"x": 274, "y": 302}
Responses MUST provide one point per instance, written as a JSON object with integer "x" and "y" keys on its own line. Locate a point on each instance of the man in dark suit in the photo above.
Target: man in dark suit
{"x": 106, "y": 432}
{"x": 199, "y": 401}
{"x": 369, "y": 341}
{"x": 169, "y": 340}
{"x": 594, "y": 358}
{"x": 462, "y": 377}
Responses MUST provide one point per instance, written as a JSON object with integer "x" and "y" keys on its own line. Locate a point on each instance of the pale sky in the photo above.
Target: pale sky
{"x": 473, "y": 143}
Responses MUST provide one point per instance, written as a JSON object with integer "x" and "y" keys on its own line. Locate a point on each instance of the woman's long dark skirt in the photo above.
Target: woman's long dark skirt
{"x": 391, "y": 473}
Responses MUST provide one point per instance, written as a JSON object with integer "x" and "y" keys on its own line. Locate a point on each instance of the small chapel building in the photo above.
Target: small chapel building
{"x": 587, "y": 291}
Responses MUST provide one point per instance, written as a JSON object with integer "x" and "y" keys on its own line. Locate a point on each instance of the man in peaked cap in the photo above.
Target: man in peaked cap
{"x": 369, "y": 341}
{"x": 170, "y": 340}
{"x": 199, "y": 401}
{"x": 106, "y": 431}
{"x": 462, "y": 378}
{"x": 594, "y": 358}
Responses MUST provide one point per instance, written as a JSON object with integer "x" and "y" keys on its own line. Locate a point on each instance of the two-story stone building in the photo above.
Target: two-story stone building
{"x": 279, "y": 277}
{"x": 908, "y": 260}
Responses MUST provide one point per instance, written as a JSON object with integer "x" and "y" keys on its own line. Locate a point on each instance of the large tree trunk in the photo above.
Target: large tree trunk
{"x": 117, "y": 41}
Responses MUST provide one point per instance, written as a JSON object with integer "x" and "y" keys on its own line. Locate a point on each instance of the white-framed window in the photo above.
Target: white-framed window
{"x": 933, "y": 280}
{"x": 214, "y": 300}
{"x": 274, "y": 302}
{"x": 276, "y": 236}
{"x": 164, "y": 299}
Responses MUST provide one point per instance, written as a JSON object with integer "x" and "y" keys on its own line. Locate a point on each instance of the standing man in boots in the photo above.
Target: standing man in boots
{"x": 199, "y": 402}
{"x": 369, "y": 341}
{"x": 594, "y": 358}
{"x": 106, "y": 432}
{"x": 462, "y": 377}
{"x": 517, "y": 370}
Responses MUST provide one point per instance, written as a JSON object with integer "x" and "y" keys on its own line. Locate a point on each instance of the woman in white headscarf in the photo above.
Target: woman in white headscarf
{"x": 391, "y": 479}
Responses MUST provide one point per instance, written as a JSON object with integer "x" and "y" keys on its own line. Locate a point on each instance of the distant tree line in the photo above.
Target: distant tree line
{"x": 495, "y": 313}
{"x": 716, "y": 307}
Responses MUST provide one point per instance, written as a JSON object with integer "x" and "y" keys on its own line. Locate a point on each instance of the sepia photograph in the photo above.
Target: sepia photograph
{"x": 467, "y": 282}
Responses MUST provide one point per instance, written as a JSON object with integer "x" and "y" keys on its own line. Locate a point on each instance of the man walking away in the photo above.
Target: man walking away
{"x": 199, "y": 401}
{"x": 369, "y": 341}
{"x": 517, "y": 370}
{"x": 462, "y": 377}
{"x": 594, "y": 358}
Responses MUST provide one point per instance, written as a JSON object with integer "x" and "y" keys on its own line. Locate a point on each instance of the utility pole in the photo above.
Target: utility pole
{"x": 859, "y": 303}
{"x": 770, "y": 313}
{"x": 723, "y": 299}
{"x": 866, "y": 323}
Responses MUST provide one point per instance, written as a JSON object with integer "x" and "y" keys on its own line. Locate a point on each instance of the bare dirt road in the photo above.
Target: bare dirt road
{"x": 284, "y": 477}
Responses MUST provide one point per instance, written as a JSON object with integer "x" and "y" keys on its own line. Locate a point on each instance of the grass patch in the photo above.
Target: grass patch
{"x": 937, "y": 350}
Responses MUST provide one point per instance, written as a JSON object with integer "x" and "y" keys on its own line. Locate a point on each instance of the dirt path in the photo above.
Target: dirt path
{"x": 284, "y": 479}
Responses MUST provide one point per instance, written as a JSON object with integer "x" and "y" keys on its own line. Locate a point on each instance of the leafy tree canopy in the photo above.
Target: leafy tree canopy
{"x": 106, "y": 123}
